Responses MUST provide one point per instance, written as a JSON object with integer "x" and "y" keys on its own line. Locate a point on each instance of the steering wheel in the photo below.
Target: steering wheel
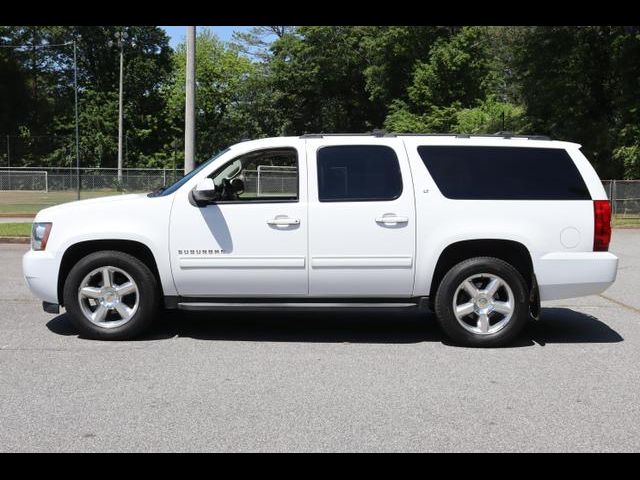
{"x": 238, "y": 186}
{"x": 227, "y": 190}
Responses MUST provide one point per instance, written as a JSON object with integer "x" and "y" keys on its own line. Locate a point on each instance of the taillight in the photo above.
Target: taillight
{"x": 601, "y": 225}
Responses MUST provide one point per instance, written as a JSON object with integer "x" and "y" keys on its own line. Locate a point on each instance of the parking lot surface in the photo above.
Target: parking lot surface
{"x": 323, "y": 381}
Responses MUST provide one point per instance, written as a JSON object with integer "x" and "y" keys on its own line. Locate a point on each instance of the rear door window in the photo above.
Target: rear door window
{"x": 358, "y": 173}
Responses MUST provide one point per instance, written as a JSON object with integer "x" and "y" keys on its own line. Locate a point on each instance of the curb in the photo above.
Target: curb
{"x": 15, "y": 239}
{"x": 17, "y": 215}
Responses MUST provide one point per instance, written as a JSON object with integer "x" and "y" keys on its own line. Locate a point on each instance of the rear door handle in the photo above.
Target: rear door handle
{"x": 283, "y": 221}
{"x": 391, "y": 218}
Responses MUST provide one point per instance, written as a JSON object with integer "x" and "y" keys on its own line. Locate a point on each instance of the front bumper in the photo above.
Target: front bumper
{"x": 575, "y": 274}
{"x": 40, "y": 270}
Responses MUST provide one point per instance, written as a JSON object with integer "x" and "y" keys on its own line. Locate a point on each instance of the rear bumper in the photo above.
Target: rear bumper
{"x": 40, "y": 270}
{"x": 575, "y": 274}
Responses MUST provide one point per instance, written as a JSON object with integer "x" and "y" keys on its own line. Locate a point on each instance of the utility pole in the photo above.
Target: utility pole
{"x": 121, "y": 37}
{"x": 120, "y": 123}
{"x": 190, "y": 103}
{"x": 75, "y": 87}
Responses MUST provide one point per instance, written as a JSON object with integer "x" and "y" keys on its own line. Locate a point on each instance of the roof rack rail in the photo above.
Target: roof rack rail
{"x": 321, "y": 135}
{"x": 383, "y": 134}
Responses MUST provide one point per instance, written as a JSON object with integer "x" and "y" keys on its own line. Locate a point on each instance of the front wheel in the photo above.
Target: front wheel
{"x": 110, "y": 295}
{"x": 482, "y": 302}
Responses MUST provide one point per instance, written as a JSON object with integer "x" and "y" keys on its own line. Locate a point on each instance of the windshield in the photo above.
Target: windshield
{"x": 176, "y": 185}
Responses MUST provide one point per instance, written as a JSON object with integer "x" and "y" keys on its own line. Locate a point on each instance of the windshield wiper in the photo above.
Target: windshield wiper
{"x": 157, "y": 191}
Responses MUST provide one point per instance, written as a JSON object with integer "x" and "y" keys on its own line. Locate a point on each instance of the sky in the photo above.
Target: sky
{"x": 177, "y": 34}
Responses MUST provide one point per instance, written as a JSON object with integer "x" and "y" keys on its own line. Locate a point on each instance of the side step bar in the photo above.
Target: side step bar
{"x": 278, "y": 306}
{"x": 292, "y": 305}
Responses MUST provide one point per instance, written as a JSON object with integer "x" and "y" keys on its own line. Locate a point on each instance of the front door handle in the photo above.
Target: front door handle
{"x": 391, "y": 218}
{"x": 283, "y": 221}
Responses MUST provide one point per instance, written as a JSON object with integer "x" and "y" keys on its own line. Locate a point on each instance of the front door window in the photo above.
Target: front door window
{"x": 265, "y": 175}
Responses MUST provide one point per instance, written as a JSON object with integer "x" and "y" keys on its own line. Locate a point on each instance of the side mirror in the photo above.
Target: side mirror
{"x": 204, "y": 193}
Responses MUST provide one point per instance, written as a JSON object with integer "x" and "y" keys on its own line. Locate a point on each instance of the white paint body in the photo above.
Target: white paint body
{"x": 335, "y": 249}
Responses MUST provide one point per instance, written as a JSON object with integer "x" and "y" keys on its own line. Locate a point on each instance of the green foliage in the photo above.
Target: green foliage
{"x": 629, "y": 157}
{"x": 436, "y": 120}
{"x": 491, "y": 116}
{"x": 453, "y": 90}
{"x": 319, "y": 82}
{"x": 15, "y": 229}
{"x": 391, "y": 54}
{"x": 457, "y": 71}
{"x": 14, "y": 93}
{"x": 581, "y": 84}
{"x": 487, "y": 117}
{"x": 46, "y": 94}
{"x": 256, "y": 42}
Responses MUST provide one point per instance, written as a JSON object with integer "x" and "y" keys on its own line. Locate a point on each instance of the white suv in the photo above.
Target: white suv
{"x": 477, "y": 228}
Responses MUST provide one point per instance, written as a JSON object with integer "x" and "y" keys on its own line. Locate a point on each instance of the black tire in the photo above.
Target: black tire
{"x": 454, "y": 278}
{"x": 147, "y": 291}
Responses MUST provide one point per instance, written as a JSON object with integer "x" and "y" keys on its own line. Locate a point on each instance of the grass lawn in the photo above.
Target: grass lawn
{"x": 15, "y": 229}
{"x": 625, "y": 222}
{"x": 32, "y": 202}
{"x": 23, "y": 202}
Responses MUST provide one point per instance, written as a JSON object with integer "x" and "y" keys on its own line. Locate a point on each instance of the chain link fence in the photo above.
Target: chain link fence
{"x": 66, "y": 178}
{"x": 54, "y": 156}
{"x": 624, "y": 196}
{"x": 270, "y": 180}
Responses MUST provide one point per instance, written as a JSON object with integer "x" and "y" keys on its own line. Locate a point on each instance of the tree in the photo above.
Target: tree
{"x": 318, "y": 77}
{"x": 223, "y": 81}
{"x": 14, "y": 95}
{"x": 392, "y": 52}
{"x": 565, "y": 76}
{"x": 572, "y": 83}
{"x": 256, "y": 43}
{"x": 46, "y": 77}
{"x": 454, "y": 89}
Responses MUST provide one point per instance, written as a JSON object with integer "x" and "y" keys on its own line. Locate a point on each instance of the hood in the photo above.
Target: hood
{"x": 115, "y": 201}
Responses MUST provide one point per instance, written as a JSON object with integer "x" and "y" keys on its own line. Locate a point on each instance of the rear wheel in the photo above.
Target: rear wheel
{"x": 482, "y": 302}
{"x": 111, "y": 295}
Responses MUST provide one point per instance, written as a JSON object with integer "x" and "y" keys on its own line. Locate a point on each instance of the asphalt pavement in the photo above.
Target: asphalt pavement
{"x": 323, "y": 381}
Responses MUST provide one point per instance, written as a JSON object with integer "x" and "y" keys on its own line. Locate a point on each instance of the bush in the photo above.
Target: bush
{"x": 630, "y": 158}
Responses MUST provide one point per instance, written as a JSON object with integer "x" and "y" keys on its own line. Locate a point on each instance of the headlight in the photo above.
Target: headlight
{"x": 40, "y": 235}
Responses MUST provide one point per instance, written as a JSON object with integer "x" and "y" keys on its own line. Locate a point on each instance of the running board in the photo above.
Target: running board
{"x": 207, "y": 306}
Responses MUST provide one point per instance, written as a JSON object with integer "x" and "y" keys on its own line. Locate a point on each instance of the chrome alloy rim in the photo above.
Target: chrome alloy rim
{"x": 108, "y": 297}
{"x": 483, "y": 304}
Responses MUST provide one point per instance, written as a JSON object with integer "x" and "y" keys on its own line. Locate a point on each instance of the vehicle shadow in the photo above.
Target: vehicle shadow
{"x": 564, "y": 325}
{"x": 557, "y": 325}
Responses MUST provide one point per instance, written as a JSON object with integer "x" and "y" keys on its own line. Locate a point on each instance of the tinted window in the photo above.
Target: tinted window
{"x": 504, "y": 173}
{"x": 358, "y": 173}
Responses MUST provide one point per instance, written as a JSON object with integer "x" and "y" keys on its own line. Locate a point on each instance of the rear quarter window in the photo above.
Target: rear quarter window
{"x": 504, "y": 173}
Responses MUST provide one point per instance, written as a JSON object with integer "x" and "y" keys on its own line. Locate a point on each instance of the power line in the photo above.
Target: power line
{"x": 48, "y": 45}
